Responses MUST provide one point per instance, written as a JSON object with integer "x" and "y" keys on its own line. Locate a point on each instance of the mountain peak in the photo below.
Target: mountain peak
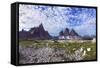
{"x": 35, "y": 33}
{"x": 41, "y": 26}
{"x": 73, "y": 32}
{"x": 66, "y": 32}
{"x": 61, "y": 33}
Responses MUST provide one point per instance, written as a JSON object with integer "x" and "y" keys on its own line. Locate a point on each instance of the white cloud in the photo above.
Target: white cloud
{"x": 54, "y": 19}
{"x": 30, "y": 17}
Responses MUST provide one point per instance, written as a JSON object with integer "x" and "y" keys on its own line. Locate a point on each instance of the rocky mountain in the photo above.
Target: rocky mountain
{"x": 61, "y": 33}
{"x": 24, "y": 34}
{"x": 69, "y": 34}
{"x": 73, "y": 33}
{"x": 35, "y": 33}
{"x": 40, "y": 33}
{"x": 66, "y": 32}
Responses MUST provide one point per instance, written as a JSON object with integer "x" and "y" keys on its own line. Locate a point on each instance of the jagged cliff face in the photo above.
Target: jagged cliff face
{"x": 35, "y": 33}
{"x": 68, "y": 34}
{"x": 40, "y": 33}
{"x": 73, "y": 33}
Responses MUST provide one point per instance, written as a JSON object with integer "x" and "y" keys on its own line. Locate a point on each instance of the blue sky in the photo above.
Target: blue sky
{"x": 55, "y": 18}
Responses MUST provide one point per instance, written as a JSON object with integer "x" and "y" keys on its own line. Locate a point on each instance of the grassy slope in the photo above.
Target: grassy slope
{"x": 69, "y": 46}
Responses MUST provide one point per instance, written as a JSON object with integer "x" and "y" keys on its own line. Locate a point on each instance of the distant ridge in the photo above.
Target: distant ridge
{"x": 35, "y": 33}
{"x": 69, "y": 34}
{"x": 40, "y": 33}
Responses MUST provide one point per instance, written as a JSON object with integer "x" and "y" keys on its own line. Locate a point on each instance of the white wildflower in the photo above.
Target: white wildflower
{"x": 88, "y": 49}
{"x": 81, "y": 49}
{"x": 84, "y": 53}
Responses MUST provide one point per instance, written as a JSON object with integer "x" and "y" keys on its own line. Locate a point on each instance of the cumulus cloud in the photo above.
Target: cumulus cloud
{"x": 55, "y": 18}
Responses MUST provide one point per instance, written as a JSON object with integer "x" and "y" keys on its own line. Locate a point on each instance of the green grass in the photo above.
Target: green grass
{"x": 68, "y": 46}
